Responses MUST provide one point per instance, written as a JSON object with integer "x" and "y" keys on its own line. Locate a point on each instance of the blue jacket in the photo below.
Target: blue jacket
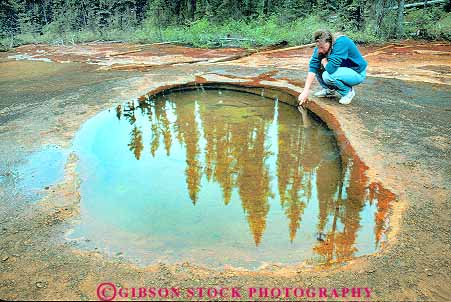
{"x": 344, "y": 54}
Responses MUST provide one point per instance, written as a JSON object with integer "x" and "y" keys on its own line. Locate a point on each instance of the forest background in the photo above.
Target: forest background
{"x": 219, "y": 23}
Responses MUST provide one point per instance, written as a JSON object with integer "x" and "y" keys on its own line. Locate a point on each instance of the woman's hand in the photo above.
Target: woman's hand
{"x": 303, "y": 97}
{"x": 324, "y": 62}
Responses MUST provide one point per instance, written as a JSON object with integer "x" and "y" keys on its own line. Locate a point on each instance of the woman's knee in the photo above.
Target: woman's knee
{"x": 327, "y": 78}
{"x": 348, "y": 76}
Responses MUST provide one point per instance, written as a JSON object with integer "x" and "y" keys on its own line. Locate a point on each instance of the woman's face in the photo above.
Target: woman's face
{"x": 323, "y": 47}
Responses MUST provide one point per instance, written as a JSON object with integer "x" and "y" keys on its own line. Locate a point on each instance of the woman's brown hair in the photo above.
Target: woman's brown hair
{"x": 323, "y": 36}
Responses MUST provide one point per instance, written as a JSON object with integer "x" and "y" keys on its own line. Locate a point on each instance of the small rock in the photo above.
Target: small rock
{"x": 5, "y": 258}
{"x": 47, "y": 187}
{"x": 39, "y": 284}
{"x": 371, "y": 271}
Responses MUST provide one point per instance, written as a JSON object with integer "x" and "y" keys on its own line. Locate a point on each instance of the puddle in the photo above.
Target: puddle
{"x": 40, "y": 170}
{"x": 28, "y": 57}
{"x": 221, "y": 178}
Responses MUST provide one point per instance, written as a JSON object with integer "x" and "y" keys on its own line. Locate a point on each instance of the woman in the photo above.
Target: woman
{"x": 338, "y": 66}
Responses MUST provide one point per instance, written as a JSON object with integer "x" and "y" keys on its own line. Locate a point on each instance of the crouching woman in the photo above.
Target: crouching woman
{"x": 337, "y": 64}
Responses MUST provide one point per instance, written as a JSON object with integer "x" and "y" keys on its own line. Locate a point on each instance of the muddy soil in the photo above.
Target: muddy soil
{"x": 398, "y": 126}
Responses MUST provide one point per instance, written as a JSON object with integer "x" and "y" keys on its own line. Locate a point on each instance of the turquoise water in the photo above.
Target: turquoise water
{"x": 219, "y": 178}
{"x": 40, "y": 170}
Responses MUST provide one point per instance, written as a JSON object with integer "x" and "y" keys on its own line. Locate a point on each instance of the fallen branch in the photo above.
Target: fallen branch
{"x": 125, "y": 52}
{"x": 105, "y": 42}
{"x": 162, "y": 43}
{"x": 378, "y": 51}
{"x": 423, "y": 3}
{"x": 432, "y": 52}
{"x": 248, "y": 53}
{"x": 288, "y": 48}
{"x": 441, "y": 44}
{"x": 232, "y": 58}
{"x": 237, "y": 39}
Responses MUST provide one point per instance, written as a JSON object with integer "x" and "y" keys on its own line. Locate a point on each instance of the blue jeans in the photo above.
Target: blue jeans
{"x": 341, "y": 80}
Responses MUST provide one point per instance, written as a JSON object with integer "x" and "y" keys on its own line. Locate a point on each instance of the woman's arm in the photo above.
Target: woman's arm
{"x": 308, "y": 82}
{"x": 315, "y": 62}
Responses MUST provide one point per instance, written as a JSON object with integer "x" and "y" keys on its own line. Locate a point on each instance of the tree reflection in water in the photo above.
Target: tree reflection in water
{"x": 230, "y": 143}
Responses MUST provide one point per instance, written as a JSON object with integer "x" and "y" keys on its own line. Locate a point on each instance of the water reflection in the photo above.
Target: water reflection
{"x": 262, "y": 158}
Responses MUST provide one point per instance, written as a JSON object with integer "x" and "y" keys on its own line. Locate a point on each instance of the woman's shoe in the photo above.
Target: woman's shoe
{"x": 346, "y": 99}
{"x": 325, "y": 93}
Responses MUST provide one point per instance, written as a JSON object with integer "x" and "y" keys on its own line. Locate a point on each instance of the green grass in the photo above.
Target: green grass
{"x": 432, "y": 24}
{"x": 259, "y": 32}
{"x": 253, "y": 33}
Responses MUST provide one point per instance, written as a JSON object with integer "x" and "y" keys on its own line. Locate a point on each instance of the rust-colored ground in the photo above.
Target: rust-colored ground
{"x": 407, "y": 60}
{"x": 113, "y": 54}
